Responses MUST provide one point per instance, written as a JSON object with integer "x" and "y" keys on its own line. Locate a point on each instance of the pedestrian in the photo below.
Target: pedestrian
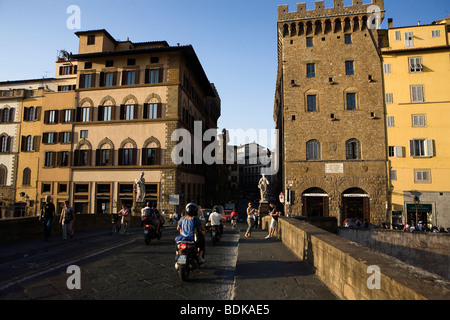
{"x": 256, "y": 216}
{"x": 273, "y": 223}
{"x": 125, "y": 214}
{"x": 46, "y": 217}
{"x": 175, "y": 218}
{"x": 67, "y": 219}
{"x": 250, "y": 220}
{"x": 171, "y": 218}
{"x": 234, "y": 216}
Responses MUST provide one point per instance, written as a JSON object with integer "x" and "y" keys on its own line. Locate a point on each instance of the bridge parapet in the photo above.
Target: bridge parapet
{"x": 355, "y": 272}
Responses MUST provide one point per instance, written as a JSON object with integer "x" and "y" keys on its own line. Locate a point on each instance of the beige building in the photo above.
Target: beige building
{"x": 130, "y": 97}
{"x": 20, "y": 105}
{"x": 329, "y": 108}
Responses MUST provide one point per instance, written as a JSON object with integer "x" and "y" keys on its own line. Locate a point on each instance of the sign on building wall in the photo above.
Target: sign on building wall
{"x": 334, "y": 168}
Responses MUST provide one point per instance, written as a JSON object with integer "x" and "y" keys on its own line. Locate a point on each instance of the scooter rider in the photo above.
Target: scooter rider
{"x": 149, "y": 212}
{"x": 187, "y": 227}
{"x": 216, "y": 219}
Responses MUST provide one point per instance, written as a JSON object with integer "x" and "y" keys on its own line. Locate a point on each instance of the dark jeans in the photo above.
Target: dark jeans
{"x": 47, "y": 224}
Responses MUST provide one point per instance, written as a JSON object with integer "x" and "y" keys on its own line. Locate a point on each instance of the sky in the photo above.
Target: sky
{"x": 235, "y": 40}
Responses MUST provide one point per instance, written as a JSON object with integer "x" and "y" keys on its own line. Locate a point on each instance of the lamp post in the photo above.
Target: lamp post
{"x": 416, "y": 202}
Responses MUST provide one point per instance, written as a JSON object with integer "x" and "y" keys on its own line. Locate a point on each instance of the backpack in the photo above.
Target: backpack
{"x": 69, "y": 215}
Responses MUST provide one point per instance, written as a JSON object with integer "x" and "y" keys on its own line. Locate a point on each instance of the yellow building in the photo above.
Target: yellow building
{"x": 57, "y": 117}
{"x": 417, "y": 74}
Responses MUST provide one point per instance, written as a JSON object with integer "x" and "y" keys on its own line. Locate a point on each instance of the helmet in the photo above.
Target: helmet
{"x": 192, "y": 209}
{"x": 217, "y": 209}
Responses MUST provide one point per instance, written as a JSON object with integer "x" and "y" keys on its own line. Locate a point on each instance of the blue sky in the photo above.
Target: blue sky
{"x": 235, "y": 40}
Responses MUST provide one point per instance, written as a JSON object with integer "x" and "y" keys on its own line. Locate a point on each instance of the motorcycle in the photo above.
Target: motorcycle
{"x": 150, "y": 231}
{"x": 215, "y": 234}
{"x": 187, "y": 258}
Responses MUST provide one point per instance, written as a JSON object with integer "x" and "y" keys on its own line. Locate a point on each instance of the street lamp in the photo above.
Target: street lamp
{"x": 416, "y": 202}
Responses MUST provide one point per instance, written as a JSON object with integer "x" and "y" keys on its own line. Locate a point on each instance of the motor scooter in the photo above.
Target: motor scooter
{"x": 187, "y": 258}
{"x": 215, "y": 234}
{"x": 150, "y": 231}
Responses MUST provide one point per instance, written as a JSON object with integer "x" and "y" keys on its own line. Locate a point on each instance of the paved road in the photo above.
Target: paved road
{"x": 124, "y": 268}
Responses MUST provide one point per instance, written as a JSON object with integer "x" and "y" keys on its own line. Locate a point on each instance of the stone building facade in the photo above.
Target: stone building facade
{"x": 131, "y": 97}
{"x": 329, "y": 108}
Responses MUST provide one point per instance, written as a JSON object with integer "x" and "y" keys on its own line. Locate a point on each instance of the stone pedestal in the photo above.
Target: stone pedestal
{"x": 264, "y": 209}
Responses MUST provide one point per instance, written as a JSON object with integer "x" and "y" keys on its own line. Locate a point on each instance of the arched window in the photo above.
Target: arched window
{"x": 31, "y": 114}
{"x": 3, "y": 175}
{"x": 29, "y": 144}
{"x": 353, "y": 149}
{"x": 26, "y": 178}
{"x": 313, "y": 150}
{"x": 4, "y": 143}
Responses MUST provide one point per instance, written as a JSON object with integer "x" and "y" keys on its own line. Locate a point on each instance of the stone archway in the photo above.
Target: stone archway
{"x": 315, "y": 203}
{"x": 355, "y": 205}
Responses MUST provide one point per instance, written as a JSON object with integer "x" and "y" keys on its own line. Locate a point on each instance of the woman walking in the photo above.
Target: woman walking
{"x": 250, "y": 220}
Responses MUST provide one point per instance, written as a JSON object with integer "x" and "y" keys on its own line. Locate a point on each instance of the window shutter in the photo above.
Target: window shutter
{"x": 46, "y": 116}
{"x": 145, "y": 111}
{"x": 102, "y": 79}
{"x": 124, "y": 77}
{"x": 158, "y": 156}
{"x": 122, "y": 112}
{"x": 137, "y": 76}
{"x": 411, "y": 148}
{"x": 144, "y": 156}
{"x": 60, "y": 71}
{"x": 161, "y": 75}
{"x": 429, "y": 148}
{"x": 100, "y": 113}
{"x": 135, "y": 111}
{"x": 12, "y": 114}
{"x": 82, "y": 78}
{"x": 76, "y": 158}
{"x": 159, "y": 110}
{"x": 121, "y": 157}
{"x": 37, "y": 113}
{"x": 134, "y": 157}
{"x": 98, "y": 155}
{"x": 36, "y": 143}
{"x": 111, "y": 157}
{"x": 399, "y": 152}
{"x": 147, "y": 76}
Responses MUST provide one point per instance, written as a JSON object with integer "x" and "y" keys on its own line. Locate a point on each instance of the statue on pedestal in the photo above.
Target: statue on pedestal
{"x": 140, "y": 188}
{"x": 263, "y": 186}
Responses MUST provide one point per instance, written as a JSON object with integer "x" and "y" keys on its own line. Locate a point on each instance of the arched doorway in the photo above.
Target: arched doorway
{"x": 355, "y": 205}
{"x": 315, "y": 203}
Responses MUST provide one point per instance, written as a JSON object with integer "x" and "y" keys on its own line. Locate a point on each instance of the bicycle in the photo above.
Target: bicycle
{"x": 115, "y": 227}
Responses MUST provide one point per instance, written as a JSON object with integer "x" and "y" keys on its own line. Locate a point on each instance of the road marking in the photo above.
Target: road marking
{"x": 17, "y": 281}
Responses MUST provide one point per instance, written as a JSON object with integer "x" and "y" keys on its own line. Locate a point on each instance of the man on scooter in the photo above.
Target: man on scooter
{"x": 187, "y": 227}
{"x": 149, "y": 213}
{"x": 216, "y": 219}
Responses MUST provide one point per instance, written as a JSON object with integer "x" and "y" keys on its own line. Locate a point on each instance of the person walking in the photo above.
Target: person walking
{"x": 67, "y": 219}
{"x": 125, "y": 214}
{"x": 250, "y": 220}
{"x": 273, "y": 223}
{"x": 46, "y": 217}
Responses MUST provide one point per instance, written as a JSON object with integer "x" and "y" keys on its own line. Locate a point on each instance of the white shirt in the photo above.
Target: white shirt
{"x": 215, "y": 218}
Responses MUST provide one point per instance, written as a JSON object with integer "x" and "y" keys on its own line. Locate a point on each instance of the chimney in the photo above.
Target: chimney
{"x": 390, "y": 23}
{"x": 418, "y": 23}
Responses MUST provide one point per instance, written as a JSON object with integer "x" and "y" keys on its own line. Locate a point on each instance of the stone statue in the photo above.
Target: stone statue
{"x": 140, "y": 188}
{"x": 263, "y": 186}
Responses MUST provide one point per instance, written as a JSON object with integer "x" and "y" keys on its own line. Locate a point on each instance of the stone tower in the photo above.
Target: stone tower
{"x": 329, "y": 108}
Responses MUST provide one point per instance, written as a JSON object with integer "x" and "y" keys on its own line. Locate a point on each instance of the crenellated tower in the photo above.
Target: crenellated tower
{"x": 329, "y": 107}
